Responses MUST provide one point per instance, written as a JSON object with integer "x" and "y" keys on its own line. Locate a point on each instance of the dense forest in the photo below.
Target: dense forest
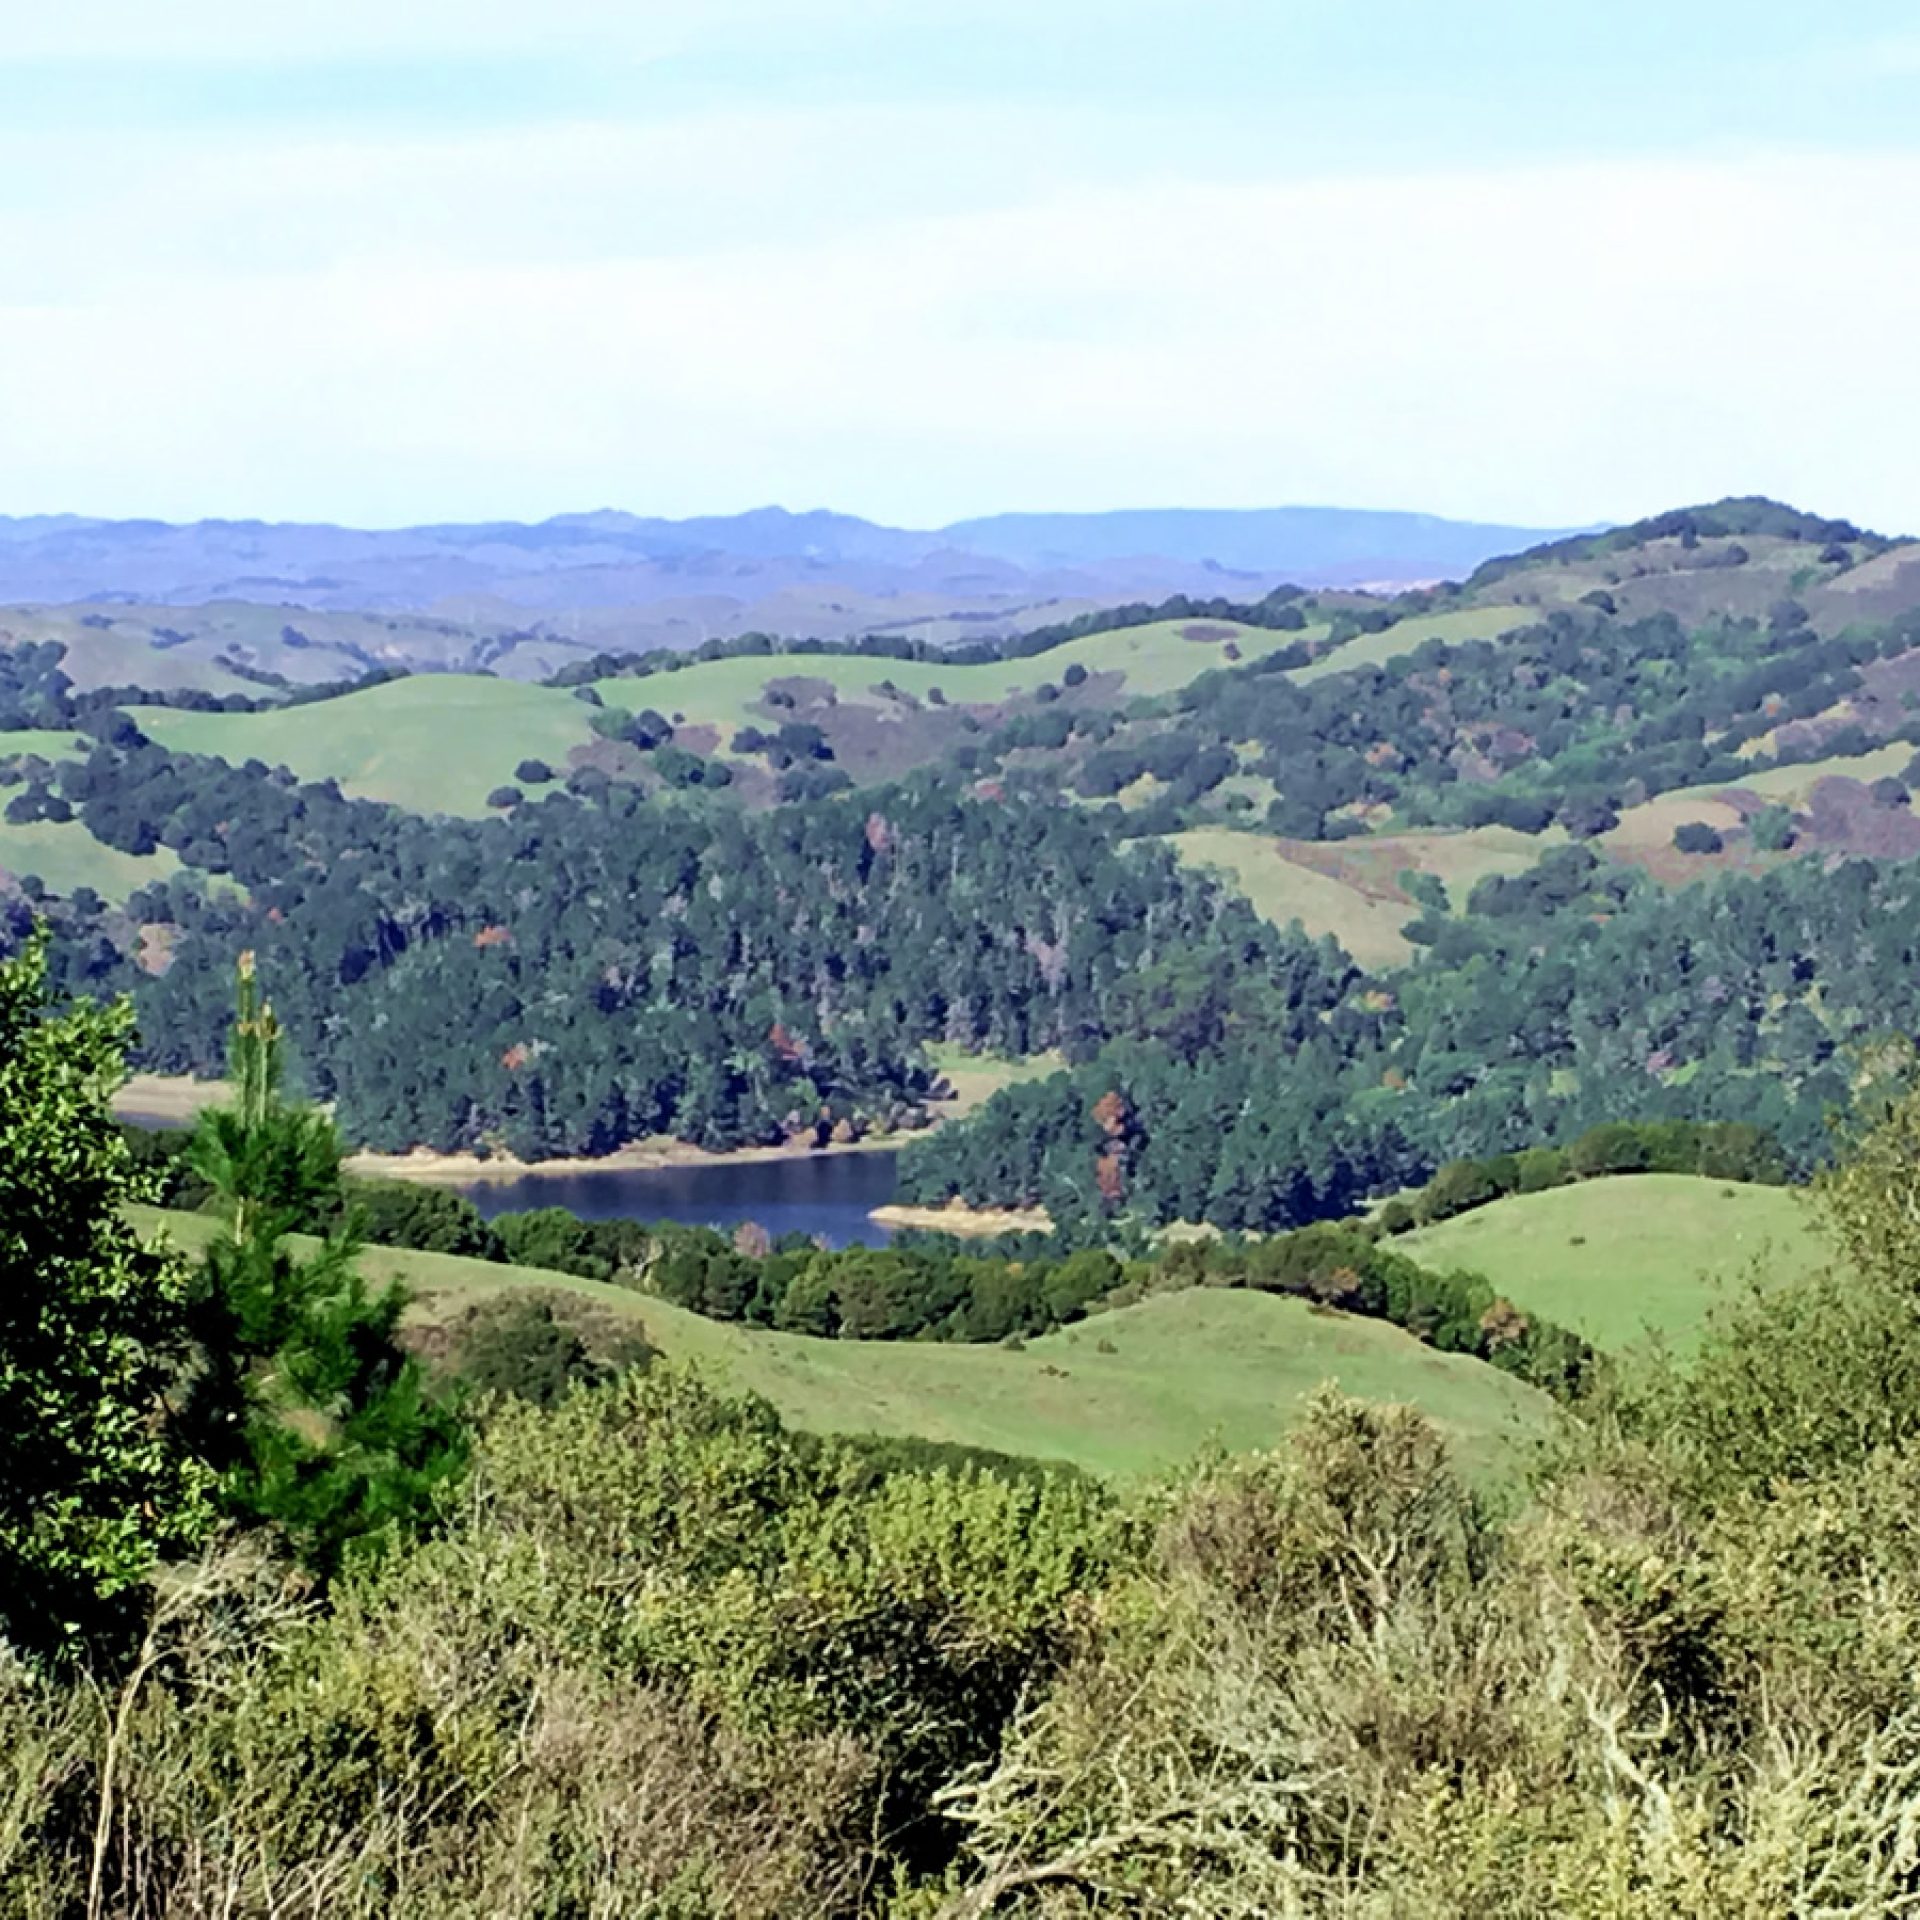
{"x": 1566, "y": 722}
{"x": 584, "y": 974}
{"x": 1581, "y": 995}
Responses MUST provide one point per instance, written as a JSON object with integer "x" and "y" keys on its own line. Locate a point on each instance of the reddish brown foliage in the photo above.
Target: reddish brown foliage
{"x": 1503, "y": 1323}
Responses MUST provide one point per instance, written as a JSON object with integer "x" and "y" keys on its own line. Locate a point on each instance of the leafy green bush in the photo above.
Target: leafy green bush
{"x": 531, "y": 1347}
{"x": 94, "y": 1329}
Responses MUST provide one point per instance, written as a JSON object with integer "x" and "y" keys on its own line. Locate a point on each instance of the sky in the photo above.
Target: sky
{"x": 391, "y": 261}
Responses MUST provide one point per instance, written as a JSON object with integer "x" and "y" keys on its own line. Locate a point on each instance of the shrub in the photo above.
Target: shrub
{"x": 1462, "y": 1185}
{"x": 409, "y": 1213}
{"x": 1695, "y": 836}
{"x": 522, "y": 1346}
{"x": 1540, "y": 1168}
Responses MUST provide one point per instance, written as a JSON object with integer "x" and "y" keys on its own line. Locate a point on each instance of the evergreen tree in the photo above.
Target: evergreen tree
{"x": 317, "y": 1421}
{"x": 94, "y": 1487}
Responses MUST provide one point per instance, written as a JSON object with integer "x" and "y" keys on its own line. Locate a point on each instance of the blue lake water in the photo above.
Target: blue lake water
{"x": 829, "y": 1194}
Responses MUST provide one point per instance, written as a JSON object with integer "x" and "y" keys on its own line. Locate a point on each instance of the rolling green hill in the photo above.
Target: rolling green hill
{"x": 436, "y": 743}
{"x": 115, "y": 644}
{"x": 443, "y": 742}
{"x": 1130, "y": 662}
{"x": 1154, "y": 659}
{"x": 1407, "y": 636}
{"x": 48, "y": 743}
{"x": 1122, "y": 1393}
{"x": 1614, "y": 1258}
{"x": 65, "y": 855}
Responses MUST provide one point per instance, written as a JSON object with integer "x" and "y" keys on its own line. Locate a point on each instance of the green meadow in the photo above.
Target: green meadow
{"x": 1618, "y": 1257}
{"x": 433, "y": 743}
{"x": 1156, "y": 659}
{"x": 1122, "y": 1393}
{"x": 1407, "y": 636}
{"x": 65, "y": 855}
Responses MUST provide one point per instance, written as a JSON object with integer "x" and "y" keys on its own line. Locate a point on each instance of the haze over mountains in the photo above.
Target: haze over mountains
{"x": 622, "y": 579}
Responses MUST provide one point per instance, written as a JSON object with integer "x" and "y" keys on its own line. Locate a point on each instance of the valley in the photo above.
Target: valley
{"x": 1046, "y": 1194}
{"x": 732, "y": 1159}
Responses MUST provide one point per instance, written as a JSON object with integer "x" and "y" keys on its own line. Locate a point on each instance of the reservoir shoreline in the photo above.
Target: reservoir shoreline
{"x": 692, "y": 1181}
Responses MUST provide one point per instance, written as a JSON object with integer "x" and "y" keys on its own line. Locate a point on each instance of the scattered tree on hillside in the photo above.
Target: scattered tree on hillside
{"x": 1695, "y": 836}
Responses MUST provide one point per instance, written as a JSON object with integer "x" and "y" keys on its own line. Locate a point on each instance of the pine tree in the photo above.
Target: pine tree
{"x": 319, "y": 1423}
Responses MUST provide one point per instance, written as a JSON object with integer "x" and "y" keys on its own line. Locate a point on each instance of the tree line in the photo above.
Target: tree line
{"x": 1577, "y": 996}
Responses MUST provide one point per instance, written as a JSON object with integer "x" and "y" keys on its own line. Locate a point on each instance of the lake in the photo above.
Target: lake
{"x": 829, "y": 1194}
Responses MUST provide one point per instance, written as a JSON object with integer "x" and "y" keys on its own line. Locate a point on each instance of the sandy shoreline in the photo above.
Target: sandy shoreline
{"x": 640, "y": 1157}
{"x": 957, "y": 1217}
{"x": 176, "y": 1098}
{"x": 152, "y": 1096}
{"x": 168, "y": 1097}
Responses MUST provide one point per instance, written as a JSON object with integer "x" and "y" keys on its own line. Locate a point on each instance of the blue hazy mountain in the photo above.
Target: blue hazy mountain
{"x": 525, "y": 599}
{"x": 1318, "y": 546}
{"x": 612, "y": 559}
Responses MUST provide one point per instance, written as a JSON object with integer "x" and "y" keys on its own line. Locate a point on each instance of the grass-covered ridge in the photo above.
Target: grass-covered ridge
{"x": 1356, "y": 889}
{"x": 66, "y": 857}
{"x": 442, "y": 742}
{"x": 1122, "y": 1393}
{"x": 1617, "y": 1258}
{"x": 433, "y": 743}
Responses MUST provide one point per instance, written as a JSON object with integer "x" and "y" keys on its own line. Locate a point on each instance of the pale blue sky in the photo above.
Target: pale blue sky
{"x": 421, "y": 260}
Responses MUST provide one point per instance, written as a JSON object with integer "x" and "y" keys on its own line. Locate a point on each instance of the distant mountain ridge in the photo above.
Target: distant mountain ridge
{"x": 843, "y": 574}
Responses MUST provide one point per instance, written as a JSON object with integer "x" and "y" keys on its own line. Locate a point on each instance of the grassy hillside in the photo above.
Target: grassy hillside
{"x": 49, "y": 744}
{"x": 1376, "y": 649}
{"x": 1351, "y": 888}
{"x": 1281, "y": 890}
{"x": 977, "y": 1077}
{"x": 1160, "y": 658}
{"x": 438, "y": 743}
{"x": 1127, "y": 663}
{"x": 1184, "y": 1369}
{"x": 131, "y": 647}
{"x": 165, "y": 647}
{"x": 443, "y": 742}
{"x": 65, "y": 855}
{"x": 1613, "y": 1258}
